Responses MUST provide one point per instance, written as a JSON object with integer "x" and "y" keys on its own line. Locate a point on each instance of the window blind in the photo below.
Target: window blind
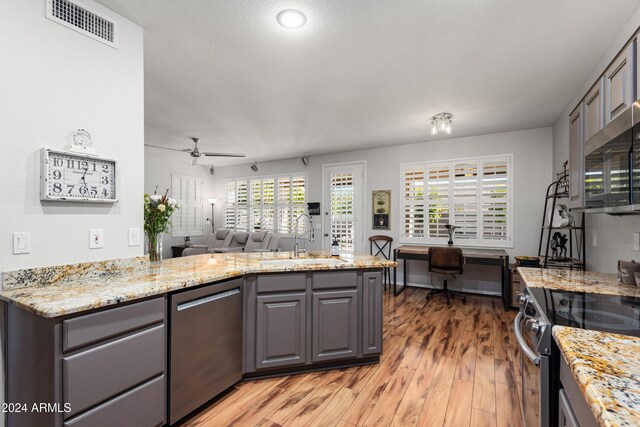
{"x": 188, "y": 220}
{"x": 474, "y": 194}
{"x": 264, "y": 203}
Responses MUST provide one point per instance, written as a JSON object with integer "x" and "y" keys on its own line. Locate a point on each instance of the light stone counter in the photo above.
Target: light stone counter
{"x": 61, "y": 290}
{"x": 607, "y": 369}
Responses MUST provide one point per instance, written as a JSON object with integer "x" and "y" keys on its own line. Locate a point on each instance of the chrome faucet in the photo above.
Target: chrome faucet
{"x": 312, "y": 236}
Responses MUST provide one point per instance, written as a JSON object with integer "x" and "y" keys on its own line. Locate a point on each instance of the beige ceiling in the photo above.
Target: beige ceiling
{"x": 360, "y": 73}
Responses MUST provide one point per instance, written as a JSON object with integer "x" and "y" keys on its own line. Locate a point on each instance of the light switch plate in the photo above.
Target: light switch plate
{"x": 21, "y": 243}
{"x": 636, "y": 241}
{"x": 134, "y": 237}
{"x": 96, "y": 238}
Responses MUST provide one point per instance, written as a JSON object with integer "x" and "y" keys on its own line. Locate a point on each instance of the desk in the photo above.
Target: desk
{"x": 472, "y": 256}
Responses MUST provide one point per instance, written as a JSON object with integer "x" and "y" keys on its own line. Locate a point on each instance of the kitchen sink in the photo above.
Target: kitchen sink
{"x": 302, "y": 261}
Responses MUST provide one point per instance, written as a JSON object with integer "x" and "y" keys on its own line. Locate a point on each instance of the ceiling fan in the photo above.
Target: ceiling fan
{"x": 195, "y": 153}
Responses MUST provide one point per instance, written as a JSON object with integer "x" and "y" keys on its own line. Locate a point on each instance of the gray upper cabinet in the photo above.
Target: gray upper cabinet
{"x": 619, "y": 83}
{"x": 335, "y": 325}
{"x": 371, "y": 313}
{"x": 593, "y": 110}
{"x": 576, "y": 157}
{"x": 280, "y": 330}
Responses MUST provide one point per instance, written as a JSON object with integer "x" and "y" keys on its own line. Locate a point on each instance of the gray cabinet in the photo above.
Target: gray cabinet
{"x": 371, "y": 313}
{"x": 108, "y": 365}
{"x": 301, "y": 320}
{"x": 280, "y": 331}
{"x": 335, "y": 325}
{"x": 619, "y": 83}
{"x": 594, "y": 110}
{"x": 576, "y": 157}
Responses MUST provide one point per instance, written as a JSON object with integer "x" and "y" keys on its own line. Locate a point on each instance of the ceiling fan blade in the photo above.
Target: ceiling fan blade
{"x": 167, "y": 148}
{"x": 193, "y": 161}
{"x": 224, "y": 154}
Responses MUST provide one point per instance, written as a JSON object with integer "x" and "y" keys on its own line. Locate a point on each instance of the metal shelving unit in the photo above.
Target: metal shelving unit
{"x": 558, "y": 190}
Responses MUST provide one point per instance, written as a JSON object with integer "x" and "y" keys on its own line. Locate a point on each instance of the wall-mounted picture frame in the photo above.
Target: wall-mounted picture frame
{"x": 381, "y": 209}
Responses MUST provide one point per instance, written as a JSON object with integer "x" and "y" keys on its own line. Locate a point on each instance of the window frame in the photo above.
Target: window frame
{"x": 277, "y": 204}
{"x": 479, "y": 242}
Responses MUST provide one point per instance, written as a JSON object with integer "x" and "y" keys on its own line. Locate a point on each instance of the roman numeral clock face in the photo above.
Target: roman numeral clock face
{"x": 72, "y": 177}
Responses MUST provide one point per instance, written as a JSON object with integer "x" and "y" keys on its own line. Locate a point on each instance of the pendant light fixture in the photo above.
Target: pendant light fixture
{"x": 441, "y": 123}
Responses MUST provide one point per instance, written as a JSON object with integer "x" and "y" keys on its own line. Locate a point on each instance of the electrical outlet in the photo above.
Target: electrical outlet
{"x": 96, "y": 238}
{"x": 134, "y": 237}
{"x": 21, "y": 243}
{"x": 594, "y": 241}
{"x": 636, "y": 241}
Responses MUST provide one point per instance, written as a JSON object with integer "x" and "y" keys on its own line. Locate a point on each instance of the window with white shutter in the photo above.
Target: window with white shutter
{"x": 188, "y": 220}
{"x": 264, "y": 203}
{"x": 473, "y": 194}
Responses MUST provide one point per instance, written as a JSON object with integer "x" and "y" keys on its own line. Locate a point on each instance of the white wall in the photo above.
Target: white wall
{"x": 532, "y": 151}
{"x": 54, "y": 80}
{"x": 614, "y": 234}
{"x": 157, "y": 172}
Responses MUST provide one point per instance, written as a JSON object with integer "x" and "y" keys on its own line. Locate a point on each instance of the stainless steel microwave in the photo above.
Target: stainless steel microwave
{"x": 612, "y": 166}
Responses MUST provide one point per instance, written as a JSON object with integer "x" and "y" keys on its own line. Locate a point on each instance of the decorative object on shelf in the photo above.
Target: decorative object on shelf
{"x": 335, "y": 247}
{"x": 195, "y": 153}
{"x": 81, "y": 143}
{"x": 68, "y": 176}
{"x": 157, "y": 212}
{"x": 211, "y": 221}
{"x": 451, "y": 229}
{"x": 381, "y": 200}
{"x": 187, "y": 241}
{"x": 527, "y": 261}
{"x": 567, "y": 219}
{"x": 441, "y": 123}
{"x": 559, "y": 247}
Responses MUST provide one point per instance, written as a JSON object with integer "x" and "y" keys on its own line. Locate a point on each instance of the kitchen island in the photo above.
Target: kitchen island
{"x": 134, "y": 343}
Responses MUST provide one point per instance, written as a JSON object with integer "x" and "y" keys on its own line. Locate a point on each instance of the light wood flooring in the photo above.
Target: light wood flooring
{"x": 442, "y": 365}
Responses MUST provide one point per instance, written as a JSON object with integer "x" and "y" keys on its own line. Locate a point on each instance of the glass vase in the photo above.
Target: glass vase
{"x": 154, "y": 248}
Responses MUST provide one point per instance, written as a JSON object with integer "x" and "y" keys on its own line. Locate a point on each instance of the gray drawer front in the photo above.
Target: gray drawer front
{"x": 143, "y": 406}
{"x": 335, "y": 279}
{"x": 98, "y": 374}
{"x": 98, "y": 326}
{"x": 281, "y": 282}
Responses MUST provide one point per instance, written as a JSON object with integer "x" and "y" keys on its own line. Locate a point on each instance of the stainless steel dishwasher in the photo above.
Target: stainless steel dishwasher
{"x": 206, "y": 345}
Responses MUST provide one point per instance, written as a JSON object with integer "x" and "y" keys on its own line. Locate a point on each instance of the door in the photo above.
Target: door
{"x": 335, "y": 325}
{"x": 593, "y": 110}
{"x": 344, "y": 208}
{"x": 280, "y": 330}
{"x": 618, "y": 83}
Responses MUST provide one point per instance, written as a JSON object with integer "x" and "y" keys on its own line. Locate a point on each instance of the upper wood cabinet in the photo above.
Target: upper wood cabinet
{"x": 619, "y": 83}
{"x": 593, "y": 110}
{"x": 576, "y": 157}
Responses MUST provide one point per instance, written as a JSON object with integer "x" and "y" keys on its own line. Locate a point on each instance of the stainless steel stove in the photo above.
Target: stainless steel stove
{"x": 540, "y": 310}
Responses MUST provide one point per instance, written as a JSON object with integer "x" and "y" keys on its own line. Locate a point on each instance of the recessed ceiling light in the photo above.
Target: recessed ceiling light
{"x": 291, "y": 18}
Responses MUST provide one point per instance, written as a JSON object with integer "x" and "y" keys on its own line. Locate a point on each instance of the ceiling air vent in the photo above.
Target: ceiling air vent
{"x": 78, "y": 17}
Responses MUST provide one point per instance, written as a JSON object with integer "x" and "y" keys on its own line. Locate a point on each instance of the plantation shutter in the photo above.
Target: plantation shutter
{"x": 230, "y": 205}
{"x": 342, "y": 209}
{"x": 495, "y": 199}
{"x": 284, "y": 205}
{"x": 465, "y": 199}
{"x": 188, "y": 220}
{"x": 413, "y": 202}
{"x": 438, "y": 194}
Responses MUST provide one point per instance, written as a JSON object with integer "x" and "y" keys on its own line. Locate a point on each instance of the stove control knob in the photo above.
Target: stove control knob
{"x": 521, "y": 298}
{"x": 532, "y": 326}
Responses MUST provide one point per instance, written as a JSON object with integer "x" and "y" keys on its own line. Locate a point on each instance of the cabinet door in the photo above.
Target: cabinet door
{"x": 593, "y": 110}
{"x": 335, "y": 325}
{"x": 371, "y": 313}
{"x": 619, "y": 83}
{"x": 280, "y": 330}
{"x": 576, "y": 158}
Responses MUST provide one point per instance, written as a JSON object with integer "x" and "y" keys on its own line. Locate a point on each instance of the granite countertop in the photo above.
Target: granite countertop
{"x": 607, "y": 369}
{"x": 62, "y": 290}
{"x": 577, "y": 281}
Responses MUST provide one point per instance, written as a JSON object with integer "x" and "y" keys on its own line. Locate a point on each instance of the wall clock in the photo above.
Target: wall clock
{"x": 70, "y": 176}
